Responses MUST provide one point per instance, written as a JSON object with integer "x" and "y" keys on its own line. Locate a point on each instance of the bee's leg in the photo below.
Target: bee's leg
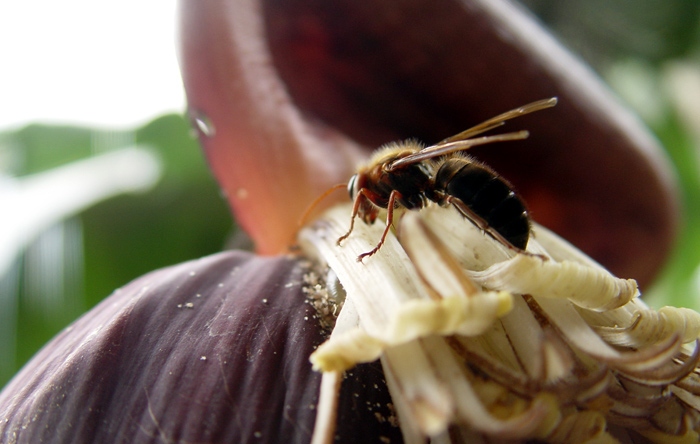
{"x": 355, "y": 209}
{"x": 362, "y": 194}
{"x": 484, "y": 226}
{"x": 389, "y": 220}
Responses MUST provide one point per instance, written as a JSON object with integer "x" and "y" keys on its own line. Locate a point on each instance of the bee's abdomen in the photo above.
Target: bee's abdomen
{"x": 487, "y": 195}
{"x": 510, "y": 218}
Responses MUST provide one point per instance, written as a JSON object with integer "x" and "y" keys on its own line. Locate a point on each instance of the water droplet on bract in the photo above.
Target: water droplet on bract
{"x": 202, "y": 123}
{"x": 241, "y": 193}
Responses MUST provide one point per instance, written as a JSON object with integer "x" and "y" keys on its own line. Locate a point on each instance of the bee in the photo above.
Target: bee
{"x": 407, "y": 175}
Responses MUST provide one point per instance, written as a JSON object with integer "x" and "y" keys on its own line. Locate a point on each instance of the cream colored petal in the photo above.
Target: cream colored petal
{"x": 417, "y": 382}
{"x": 552, "y": 331}
{"x": 378, "y": 285}
{"x": 585, "y": 286}
{"x": 390, "y": 300}
{"x": 541, "y": 414}
{"x": 525, "y": 336}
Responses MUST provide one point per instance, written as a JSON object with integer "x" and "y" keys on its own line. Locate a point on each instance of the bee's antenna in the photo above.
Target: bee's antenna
{"x": 309, "y": 209}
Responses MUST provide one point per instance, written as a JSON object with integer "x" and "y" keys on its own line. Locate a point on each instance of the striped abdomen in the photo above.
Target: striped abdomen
{"x": 488, "y": 196}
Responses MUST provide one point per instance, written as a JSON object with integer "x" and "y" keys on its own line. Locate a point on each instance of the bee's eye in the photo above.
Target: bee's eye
{"x": 351, "y": 186}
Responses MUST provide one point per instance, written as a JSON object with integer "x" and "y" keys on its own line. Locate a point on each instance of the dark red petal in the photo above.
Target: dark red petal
{"x": 426, "y": 69}
{"x": 429, "y": 69}
{"x": 214, "y": 350}
{"x": 269, "y": 159}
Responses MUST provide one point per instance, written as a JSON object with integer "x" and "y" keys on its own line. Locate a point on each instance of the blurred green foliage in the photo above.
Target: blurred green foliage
{"x": 605, "y": 31}
{"x": 183, "y": 217}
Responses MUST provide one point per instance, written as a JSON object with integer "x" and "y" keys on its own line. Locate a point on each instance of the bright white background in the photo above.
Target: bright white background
{"x": 102, "y": 63}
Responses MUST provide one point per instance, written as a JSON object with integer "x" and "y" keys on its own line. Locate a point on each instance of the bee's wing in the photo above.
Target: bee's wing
{"x": 501, "y": 118}
{"x": 463, "y": 140}
{"x": 444, "y": 148}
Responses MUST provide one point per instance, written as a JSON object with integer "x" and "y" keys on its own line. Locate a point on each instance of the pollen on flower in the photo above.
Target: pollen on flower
{"x": 325, "y": 301}
{"x": 479, "y": 343}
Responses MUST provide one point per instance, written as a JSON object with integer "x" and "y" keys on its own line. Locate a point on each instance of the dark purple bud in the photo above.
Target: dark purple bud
{"x": 214, "y": 350}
